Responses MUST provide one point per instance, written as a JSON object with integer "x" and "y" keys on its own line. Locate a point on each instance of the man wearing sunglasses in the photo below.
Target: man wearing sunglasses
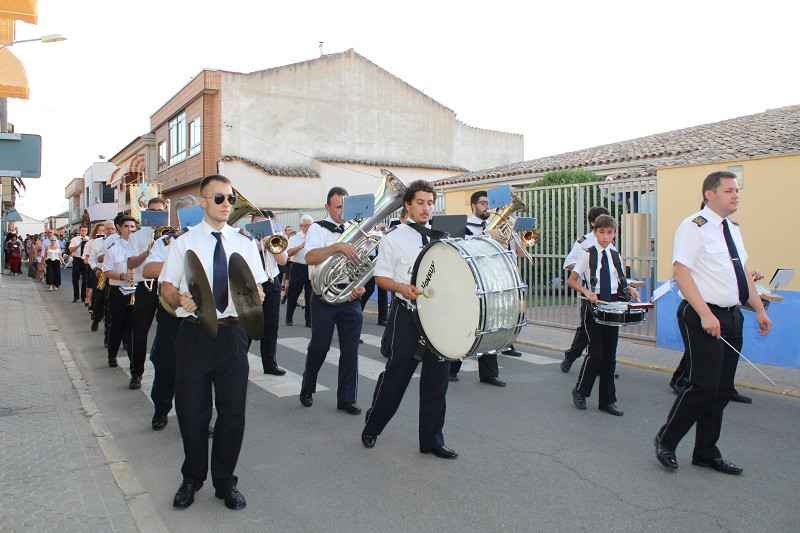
{"x": 202, "y": 361}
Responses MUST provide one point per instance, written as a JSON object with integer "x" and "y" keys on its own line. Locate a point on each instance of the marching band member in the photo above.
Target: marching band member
{"x": 345, "y": 317}
{"x": 202, "y": 361}
{"x": 398, "y": 251}
{"x": 75, "y": 249}
{"x": 96, "y": 263}
{"x": 581, "y": 341}
{"x": 488, "y": 369}
{"x": 121, "y": 289}
{"x": 598, "y": 280}
{"x": 298, "y": 273}
{"x": 91, "y": 280}
{"x": 162, "y": 354}
{"x": 146, "y": 302}
{"x": 709, "y": 266}
{"x": 272, "y": 302}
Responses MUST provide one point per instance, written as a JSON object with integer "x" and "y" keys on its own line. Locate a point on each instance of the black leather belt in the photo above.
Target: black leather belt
{"x": 728, "y": 309}
{"x": 227, "y": 321}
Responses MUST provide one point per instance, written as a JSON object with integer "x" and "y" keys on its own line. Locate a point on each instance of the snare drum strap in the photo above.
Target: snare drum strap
{"x": 622, "y": 279}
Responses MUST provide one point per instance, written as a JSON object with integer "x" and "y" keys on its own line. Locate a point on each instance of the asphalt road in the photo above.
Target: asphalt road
{"x": 529, "y": 460}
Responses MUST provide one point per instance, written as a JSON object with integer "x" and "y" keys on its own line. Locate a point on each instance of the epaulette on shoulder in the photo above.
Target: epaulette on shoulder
{"x": 699, "y": 220}
{"x": 733, "y": 222}
{"x": 111, "y": 245}
{"x": 583, "y": 238}
{"x": 245, "y": 233}
{"x": 177, "y": 233}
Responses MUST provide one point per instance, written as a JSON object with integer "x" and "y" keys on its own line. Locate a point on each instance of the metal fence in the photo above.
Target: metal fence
{"x": 560, "y": 213}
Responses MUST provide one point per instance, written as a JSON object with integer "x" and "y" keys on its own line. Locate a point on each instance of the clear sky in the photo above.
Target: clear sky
{"x": 566, "y": 75}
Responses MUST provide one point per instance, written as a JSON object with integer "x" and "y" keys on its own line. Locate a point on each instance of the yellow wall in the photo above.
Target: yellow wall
{"x": 457, "y": 202}
{"x": 769, "y": 205}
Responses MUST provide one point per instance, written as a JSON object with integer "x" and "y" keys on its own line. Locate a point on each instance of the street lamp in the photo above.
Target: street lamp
{"x": 51, "y": 38}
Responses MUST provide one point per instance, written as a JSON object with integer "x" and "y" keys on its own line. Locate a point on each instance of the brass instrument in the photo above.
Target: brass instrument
{"x": 337, "y": 277}
{"x": 160, "y": 231}
{"x": 504, "y": 222}
{"x": 101, "y": 280}
{"x": 132, "y": 300}
{"x": 277, "y": 244}
{"x": 242, "y": 208}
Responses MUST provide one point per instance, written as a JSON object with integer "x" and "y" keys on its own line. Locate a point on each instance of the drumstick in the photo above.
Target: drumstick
{"x": 748, "y": 360}
{"x": 582, "y": 297}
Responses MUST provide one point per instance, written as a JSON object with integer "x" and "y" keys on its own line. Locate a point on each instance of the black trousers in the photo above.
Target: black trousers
{"x": 383, "y": 299}
{"x": 272, "y": 310}
{"x": 200, "y": 364}
{"x": 680, "y": 378}
{"x": 98, "y": 302}
{"x": 712, "y": 365}
{"x": 144, "y": 310}
{"x": 581, "y": 339}
{"x": 601, "y": 361}
{"x": 393, "y": 381}
{"x": 346, "y": 318}
{"x": 121, "y": 319}
{"x": 78, "y": 279}
{"x": 52, "y": 272}
{"x": 298, "y": 282}
{"x": 162, "y": 355}
{"x": 487, "y": 366}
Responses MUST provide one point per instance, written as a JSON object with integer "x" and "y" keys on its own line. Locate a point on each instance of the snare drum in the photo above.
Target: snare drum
{"x": 617, "y": 315}
{"x": 473, "y": 298}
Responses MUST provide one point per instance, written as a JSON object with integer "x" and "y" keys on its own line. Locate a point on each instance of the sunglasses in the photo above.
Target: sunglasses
{"x": 219, "y": 198}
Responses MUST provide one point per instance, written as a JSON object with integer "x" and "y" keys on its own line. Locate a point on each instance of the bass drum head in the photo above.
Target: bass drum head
{"x": 450, "y": 315}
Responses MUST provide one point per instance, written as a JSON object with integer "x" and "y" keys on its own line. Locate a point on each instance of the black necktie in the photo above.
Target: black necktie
{"x": 741, "y": 280}
{"x": 220, "y": 277}
{"x": 83, "y": 245}
{"x": 425, "y": 239}
{"x": 605, "y": 278}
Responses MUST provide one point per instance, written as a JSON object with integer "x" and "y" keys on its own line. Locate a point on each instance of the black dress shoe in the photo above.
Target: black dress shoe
{"x": 306, "y": 399}
{"x": 233, "y": 498}
{"x": 720, "y": 465}
{"x": 360, "y": 341}
{"x": 289, "y": 323}
{"x": 441, "y": 451}
{"x": 275, "y": 371}
{"x": 94, "y": 325}
{"x": 451, "y": 377}
{"x": 665, "y": 457}
{"x": 611, "y": 408}
{"x": 74, "y": 300}
{"x": 185, "y": 495}
{"x": 367, "y": 439}
{"x": 513, "y": 352}
{"x": 159, "y": 422}
{"x": 283, "y": 300}
{"x": 740, "y": 398}
{"x": 493, "y": 381}
{"x": 112, "y": 362}
{"x": 136, "y": 383}
{"x": 579, "y": 400}
{"x": 349, "y": 407}
{"x": 566, "y": 364}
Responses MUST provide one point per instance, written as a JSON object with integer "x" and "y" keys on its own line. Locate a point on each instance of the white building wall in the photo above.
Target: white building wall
{"x": 347, "y": 107}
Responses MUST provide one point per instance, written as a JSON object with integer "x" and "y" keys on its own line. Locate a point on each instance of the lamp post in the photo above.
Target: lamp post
{"x": 51, "y": 38}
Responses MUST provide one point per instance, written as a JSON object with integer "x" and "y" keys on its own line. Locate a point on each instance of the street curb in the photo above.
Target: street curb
{"x": 646, "y": 366}
{"x": 137, "y": 499}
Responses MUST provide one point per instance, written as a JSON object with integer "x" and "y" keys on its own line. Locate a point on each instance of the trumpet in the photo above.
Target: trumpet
{"x": 132, "y": 300}
{"x": 276, "y": 244}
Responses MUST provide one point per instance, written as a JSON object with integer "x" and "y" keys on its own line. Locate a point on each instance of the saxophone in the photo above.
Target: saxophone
{"x": 335, "y": 278}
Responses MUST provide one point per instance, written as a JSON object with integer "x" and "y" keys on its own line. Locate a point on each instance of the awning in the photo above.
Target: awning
{"x": 12, "y": 216}
{"x": 24, "y": 10}
{"x": 133, "y": 165}
{"x": 13, "y": 80}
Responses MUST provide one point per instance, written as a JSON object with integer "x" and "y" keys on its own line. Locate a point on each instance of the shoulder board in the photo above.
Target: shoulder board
{"x": 177, "y": 233}
{"x": 112, "y": 244}
{"x": 245, "y": 233}
{"x": 733, "y": 222}
{"x": 699, "y": 220}
{"x": 583, "y": 238}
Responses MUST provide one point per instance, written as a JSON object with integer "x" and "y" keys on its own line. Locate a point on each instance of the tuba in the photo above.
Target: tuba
{"x": 336, "y": 277}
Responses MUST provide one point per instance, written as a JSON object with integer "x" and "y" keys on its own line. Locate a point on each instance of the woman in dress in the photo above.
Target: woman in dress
{"x": 54, "y": 260}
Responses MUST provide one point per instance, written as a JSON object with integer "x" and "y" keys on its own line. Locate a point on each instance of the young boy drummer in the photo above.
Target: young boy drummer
{"x": 598, "y": 276}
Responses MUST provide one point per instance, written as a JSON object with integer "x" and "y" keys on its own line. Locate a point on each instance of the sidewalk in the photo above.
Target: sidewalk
{"x": 60, "y": 469}
{"x": 647, "y": 355}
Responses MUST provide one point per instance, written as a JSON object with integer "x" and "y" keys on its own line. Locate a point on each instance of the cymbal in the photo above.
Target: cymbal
{"x": 244, "y": 293}
{"x": 200, "y": 290}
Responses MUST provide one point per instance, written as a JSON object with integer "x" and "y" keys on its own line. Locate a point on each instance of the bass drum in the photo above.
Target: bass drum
{"x": 473, "y": 299}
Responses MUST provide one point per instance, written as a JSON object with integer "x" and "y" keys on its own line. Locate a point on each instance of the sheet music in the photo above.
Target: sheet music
{"x": 663, "y": 289}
